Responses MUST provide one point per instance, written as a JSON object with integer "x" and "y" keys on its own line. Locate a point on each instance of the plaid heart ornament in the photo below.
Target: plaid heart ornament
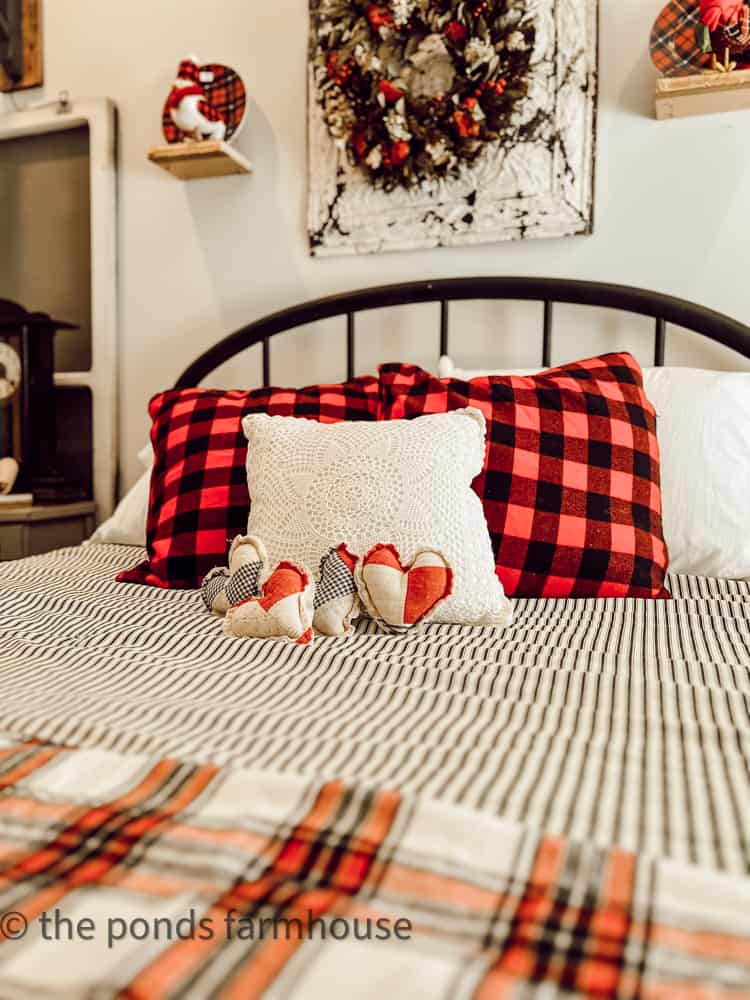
{"x": 399, "y": 597}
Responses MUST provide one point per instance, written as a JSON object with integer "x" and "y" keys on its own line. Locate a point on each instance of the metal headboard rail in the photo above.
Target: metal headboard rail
{"x": 549, "y": 291}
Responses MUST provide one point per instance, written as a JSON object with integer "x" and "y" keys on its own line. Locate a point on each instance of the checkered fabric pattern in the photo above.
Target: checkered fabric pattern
{"x": 244, "y": 583}
{"x": 674, "y": 46}
{"x": 335, "y": 579}
{"x": 570, "y": 487}
{"x": 199, "y": 499}
{"x": 225, "y": 99}
{"x": 214, "y": 583}
{"x": 183, "y": 856}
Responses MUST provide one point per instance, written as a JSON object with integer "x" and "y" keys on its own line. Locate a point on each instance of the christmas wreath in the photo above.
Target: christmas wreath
{"x": 414, "y": 88}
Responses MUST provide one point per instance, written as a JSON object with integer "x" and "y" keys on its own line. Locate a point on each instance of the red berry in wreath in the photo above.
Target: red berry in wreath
{"x": 396, "y": 153}
{"x": 339, "y": 74}
{"x": 455, "y": 32}
{"x": 359, "y": 143}
{"x": 378, "y": 17}
{"x": 466, "y": 127}
{"x": 391, "y": 93}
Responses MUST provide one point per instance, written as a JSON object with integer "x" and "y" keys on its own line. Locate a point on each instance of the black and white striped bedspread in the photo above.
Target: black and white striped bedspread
{"x": 622, "y": 722}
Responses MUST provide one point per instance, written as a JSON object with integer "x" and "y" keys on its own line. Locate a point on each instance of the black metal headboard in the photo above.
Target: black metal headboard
{"x": 663, "y": 308}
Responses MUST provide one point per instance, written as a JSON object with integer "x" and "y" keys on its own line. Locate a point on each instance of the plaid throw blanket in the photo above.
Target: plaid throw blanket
{"x": 122, "y": 876}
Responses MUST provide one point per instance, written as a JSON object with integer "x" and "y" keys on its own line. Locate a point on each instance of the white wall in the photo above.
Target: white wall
{"x": 199, "y": 259}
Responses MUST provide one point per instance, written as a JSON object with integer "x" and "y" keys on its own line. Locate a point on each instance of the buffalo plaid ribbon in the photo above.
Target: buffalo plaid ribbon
{"x": 488, "y": 907}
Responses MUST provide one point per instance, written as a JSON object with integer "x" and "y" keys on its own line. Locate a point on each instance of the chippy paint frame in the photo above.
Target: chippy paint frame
{"x": 540, "y": 189}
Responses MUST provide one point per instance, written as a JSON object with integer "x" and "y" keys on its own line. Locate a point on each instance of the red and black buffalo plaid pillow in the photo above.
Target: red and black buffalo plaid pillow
{"x": 199, "y": 499}
{"x": 570, "y": 487}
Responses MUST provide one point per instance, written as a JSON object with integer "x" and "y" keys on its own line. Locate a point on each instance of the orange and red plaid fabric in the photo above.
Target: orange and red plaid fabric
{"x": 674, "y": 46}
{"x": 485, "y": 907}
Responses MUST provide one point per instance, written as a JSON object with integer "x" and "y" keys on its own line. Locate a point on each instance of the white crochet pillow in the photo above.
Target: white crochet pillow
{"x": 405, "y": 482}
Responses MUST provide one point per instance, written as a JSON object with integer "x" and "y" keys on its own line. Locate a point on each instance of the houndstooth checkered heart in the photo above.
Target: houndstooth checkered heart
{"x": 336, "y": 602}
{"x": 335, "y": 580}
{"x": 213, "y": 584}
{"x": 244, "y": 583}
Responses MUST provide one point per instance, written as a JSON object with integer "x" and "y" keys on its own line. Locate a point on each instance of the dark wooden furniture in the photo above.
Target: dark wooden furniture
{"x": 29, "y": 531}
{"x": 32, "y": 407}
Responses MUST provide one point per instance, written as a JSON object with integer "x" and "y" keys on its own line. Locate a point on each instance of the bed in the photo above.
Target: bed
{"x": 557, "y": 808}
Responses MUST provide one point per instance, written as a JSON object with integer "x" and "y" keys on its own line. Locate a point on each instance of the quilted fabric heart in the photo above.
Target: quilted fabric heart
{"x": 284, "y": 609}
{"x": 248, "y": 566}
{"x": 214, "y": 590}
{"x": 397, "y": 596}
{"x": 336, "y": 602}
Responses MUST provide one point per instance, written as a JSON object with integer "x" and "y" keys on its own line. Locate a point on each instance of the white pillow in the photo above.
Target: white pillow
{"x": 703, "y": 427}
{"x": 407, "y": 482}
{"x": 127, "y": 525}
{"x": 447, "y": 369}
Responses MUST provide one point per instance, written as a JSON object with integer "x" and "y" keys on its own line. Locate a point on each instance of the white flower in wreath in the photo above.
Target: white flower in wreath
{"x": 517, "y": 10}
{"x": 477, "y": 52}
{"x": 339, "y": 117}
{"x": 429, "y": 71}
{"x": 367, "y": 60}
{"x": 398, "y": 130}
{"x": 374, "y": 158}
{"x": 440, "y": 153}
{"x": 477, "y": 114}
{"x": 402, "y": 11}
{"x": 516, "y": 42}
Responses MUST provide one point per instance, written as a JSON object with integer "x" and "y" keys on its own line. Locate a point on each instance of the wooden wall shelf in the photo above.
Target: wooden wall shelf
{"x": 190, "y": 161}
{"x": 702, "y": 94}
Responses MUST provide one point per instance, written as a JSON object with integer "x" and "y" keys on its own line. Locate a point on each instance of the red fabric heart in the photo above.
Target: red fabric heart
{"x": 407, "y": 594}
{"x": 286, "y": 579}
{"x": 283, "y": 611}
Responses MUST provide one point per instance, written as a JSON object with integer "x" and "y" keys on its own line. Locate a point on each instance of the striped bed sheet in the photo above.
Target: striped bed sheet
{"x": 625, "y": 723}
{"x": 560, "y": 807}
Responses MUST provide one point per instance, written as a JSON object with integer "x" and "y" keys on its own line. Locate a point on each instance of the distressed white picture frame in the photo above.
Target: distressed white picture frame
{"x": 538, "y": 189}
